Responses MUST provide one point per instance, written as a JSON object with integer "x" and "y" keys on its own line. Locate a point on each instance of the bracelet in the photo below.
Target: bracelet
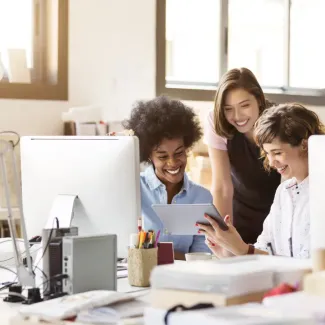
{"x": 251, "y": 249}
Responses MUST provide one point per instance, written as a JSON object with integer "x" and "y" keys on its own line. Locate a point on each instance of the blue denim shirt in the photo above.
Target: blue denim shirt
{"x": 154, "y": 191}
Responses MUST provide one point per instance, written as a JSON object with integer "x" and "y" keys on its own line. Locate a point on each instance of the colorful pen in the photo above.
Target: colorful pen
{"x": 139, "y": 224}
{"x": 157, "y": 238}
{"x": 141, "y": 241}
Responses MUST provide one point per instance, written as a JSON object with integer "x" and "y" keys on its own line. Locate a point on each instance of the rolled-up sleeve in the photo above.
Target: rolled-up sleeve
{"x": 266, "y": 236}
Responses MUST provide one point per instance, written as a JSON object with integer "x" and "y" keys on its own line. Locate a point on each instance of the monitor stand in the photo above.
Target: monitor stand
{"x": 62, "y": 211}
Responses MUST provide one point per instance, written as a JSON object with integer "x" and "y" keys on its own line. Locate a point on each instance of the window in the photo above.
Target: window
{"x": 184, "y": 41}
{"x": 307, "y": 52}
{"x": 34, "y": 49}
{"x": 279, "y": 40}
{"x": 257, "y": 39}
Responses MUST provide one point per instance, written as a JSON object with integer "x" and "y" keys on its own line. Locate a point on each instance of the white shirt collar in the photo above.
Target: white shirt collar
{"x": 293, "y": 182}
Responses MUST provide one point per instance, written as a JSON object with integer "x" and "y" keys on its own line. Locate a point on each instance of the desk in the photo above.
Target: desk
{"x": 9, "y": 310}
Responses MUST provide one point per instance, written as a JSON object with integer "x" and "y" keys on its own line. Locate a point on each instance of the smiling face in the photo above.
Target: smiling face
{"x": 169, "y": 159}
{"x": 289, "y": 161}
{"x": 241, "y": 110}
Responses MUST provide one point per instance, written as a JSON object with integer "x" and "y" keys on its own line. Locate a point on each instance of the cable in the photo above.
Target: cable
{"x": 13, "y": 294}
{"x": 48, "y": 242}
{"x": 45, "y": 276}
{"x": 36, "y": 264}
{"x": 10, "y": 283}
{"x": 58, "y": 277}
{"x": 7, "y": 268}
{"x": 44, "y": 252}
{"x": 57, "y": 222}
{"x": 46, "y": 247}
{"x": 7, "y": 285}
{"x": 10, "y": 258}
{"x": 42, "y": 272}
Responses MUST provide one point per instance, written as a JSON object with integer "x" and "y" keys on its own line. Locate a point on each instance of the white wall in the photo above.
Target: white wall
{"x": 320, "y": 111}
{"x": 111, "y": 63}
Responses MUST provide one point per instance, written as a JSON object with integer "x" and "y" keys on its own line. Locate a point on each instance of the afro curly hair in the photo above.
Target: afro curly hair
{"x": 160, "y": 118}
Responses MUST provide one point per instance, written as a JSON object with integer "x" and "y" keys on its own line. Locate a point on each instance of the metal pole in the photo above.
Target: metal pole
{"x": 20, "y": 206}
{"x": 25, "y": 277}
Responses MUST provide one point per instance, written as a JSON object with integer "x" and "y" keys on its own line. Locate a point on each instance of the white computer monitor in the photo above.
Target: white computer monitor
{"x": 316, "y": 163}
{"x": 103, "y": 172}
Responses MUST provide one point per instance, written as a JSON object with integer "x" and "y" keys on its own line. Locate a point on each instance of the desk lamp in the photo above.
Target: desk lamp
{"x": 25, "y": 275}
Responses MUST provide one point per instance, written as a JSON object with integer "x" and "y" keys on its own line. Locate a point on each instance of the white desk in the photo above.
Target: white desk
{"x": 9, "y": 310}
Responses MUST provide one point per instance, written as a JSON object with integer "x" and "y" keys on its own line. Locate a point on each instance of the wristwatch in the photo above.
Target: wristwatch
{"x": 251, "y": 249}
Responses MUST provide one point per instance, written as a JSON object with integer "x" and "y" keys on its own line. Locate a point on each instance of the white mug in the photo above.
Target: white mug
{"x": 198, "y": 256}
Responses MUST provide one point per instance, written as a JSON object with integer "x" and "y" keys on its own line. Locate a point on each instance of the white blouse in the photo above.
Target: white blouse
{"x": 287, "y": 227}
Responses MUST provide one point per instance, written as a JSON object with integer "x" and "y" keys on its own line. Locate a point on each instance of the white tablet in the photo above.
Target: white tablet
{"x": 180, "y": 219}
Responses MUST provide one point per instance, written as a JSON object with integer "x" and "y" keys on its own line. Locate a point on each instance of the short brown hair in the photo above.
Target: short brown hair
{"x": 235, "y": 79}
{"x": 291, "y": 123}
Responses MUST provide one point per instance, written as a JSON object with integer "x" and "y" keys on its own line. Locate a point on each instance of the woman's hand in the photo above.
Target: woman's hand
{"x": 217, "y": 250}
{"x": 230, "y": 239}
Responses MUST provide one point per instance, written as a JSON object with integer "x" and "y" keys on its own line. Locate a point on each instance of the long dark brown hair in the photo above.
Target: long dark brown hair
{"x": 235, "y": 79}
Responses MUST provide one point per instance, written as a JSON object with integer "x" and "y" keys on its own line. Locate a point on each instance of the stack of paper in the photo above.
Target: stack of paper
{"x": 112, "y": 314}
{"x": 230, "y": 281}
{"x": 213, "y": 277}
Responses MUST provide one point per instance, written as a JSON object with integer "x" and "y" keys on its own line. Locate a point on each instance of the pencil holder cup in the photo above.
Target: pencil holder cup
{"x": 140, "y": 264}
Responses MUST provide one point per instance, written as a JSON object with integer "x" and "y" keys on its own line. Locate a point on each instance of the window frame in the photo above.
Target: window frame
{"x": 42, "y": 90}
{"x": 314, "y": 97}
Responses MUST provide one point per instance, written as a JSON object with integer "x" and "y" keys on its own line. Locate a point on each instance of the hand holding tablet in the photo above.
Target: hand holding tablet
{"x": 180, "y": 219}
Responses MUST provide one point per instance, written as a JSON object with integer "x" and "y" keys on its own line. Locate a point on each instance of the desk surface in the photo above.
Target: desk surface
{"x": 9, "y": 310}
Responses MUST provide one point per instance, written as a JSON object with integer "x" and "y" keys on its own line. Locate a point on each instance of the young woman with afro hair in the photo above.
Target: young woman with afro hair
{"x": 167, "y": 129}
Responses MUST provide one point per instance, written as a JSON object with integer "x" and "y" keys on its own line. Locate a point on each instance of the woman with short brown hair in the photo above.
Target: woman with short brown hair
{"x": 282, "y": 133}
